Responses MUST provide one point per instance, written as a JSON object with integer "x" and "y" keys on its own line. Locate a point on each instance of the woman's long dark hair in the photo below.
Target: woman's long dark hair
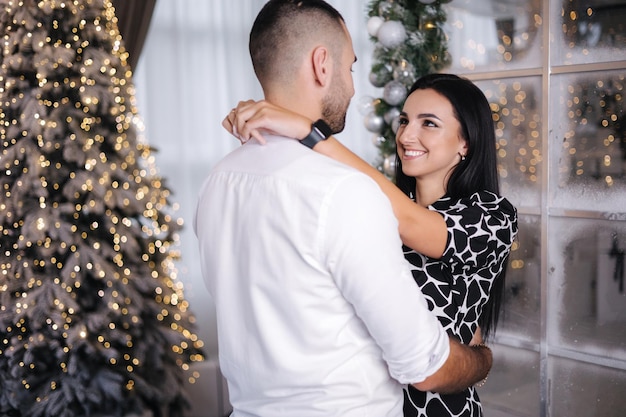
{"x": 477, "y": 172}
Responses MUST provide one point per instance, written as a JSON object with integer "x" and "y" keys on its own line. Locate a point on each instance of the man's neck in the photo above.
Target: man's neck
{"x": 297, "y": 102}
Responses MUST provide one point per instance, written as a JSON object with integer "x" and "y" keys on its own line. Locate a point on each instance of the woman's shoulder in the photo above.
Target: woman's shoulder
{"x": 484, "y": 200}
{"x": 483, "y": 204}
{"x": 492, "y": 201}
{"x": 480, "y": 220}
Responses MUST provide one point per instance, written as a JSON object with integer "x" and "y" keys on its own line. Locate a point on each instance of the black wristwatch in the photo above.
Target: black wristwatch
{"x": 319, "y": 131}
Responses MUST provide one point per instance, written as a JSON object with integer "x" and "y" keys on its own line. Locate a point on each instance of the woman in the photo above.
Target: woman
{"x": 456, "y": 229}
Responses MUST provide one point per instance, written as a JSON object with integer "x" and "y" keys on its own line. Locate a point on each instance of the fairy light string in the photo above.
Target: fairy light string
{"x": 91, "y": 311}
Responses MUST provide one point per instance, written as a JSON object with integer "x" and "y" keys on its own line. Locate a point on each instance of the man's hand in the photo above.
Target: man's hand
{"x": 466, "y": 366}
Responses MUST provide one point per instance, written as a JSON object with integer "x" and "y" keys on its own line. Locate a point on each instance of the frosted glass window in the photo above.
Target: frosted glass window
{"x": 589, "y": 31}
{"x": 590, "y": 139}
{"x": 516, "y": 106}
{"x": 587, "y": 309}
{"x": 521, "y": 316}
{"x": 512, "y": 388}
{"x": 582, "y": 389}
{"x": 493, "y": 34}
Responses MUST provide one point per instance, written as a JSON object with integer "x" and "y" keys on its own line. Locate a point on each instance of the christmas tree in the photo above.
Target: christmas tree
{"x": 92, "y": 319}
{"x": 409, "y": 42}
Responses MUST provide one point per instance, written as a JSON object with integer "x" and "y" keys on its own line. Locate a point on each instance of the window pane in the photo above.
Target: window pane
{"x": 587, "y": 308}
{"x": 581, "y": 389}
{"x": 521, "y": 316}
{"x": 516, "y": 105}
{"x": 493, "y": 34}
{"x": 512, "y": 388}
{"x": 588, "y": 31}
{"x": 590, "y": 139}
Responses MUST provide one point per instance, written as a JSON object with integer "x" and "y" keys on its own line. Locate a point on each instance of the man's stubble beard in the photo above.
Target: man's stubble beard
{"x": 335, "y": 107}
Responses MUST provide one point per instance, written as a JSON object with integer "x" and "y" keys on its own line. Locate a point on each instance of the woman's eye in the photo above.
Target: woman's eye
{"x": 430, "y": 123}
{"x": 403, "y": 121}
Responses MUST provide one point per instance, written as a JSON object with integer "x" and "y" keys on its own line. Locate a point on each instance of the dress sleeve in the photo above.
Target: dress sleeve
{"x": 481, "y": 231}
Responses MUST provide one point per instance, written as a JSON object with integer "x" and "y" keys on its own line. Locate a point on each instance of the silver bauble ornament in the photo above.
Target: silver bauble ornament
{"x": 427, "y": 1}
{"x": 389, "y": 165}
{"x": 380, "y": 78}
{"x": 395, "y": 125}
{"x": 404, "y": 72}
{"x": 391, "y": 114}
{"x": 378, "y": 140}
{"x": 373, "y": 24}
{"x": 394, "y": 93}
{"x": 391, "y": 34}
{"x": 365, "y": 105}
{"x": 384, "y": 7}
{"x": 374, "y": 123}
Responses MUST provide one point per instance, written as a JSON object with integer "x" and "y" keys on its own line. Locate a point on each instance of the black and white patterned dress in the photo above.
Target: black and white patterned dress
{"x": 481, "y": 229}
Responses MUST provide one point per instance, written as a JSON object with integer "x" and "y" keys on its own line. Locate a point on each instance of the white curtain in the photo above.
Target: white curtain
{"x": 193, "y": 69}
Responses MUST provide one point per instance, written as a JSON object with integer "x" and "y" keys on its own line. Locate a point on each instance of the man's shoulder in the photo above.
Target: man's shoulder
{"x": 287, "y": 160}
{"x": 322, "y": 169}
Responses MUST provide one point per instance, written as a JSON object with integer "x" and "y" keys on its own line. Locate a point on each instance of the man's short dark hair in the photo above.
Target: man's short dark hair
{"x": 283, "y": 29}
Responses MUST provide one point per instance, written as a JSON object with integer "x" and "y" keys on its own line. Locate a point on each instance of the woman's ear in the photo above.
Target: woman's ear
{"x": 464, "y": 148}
{"x": 321, "y": 65}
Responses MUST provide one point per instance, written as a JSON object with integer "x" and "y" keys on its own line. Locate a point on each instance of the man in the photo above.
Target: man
{"x": 318, "y": 314}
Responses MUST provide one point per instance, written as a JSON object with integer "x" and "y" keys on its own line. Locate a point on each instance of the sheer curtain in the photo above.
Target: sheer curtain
{"x": 193, "y": 69}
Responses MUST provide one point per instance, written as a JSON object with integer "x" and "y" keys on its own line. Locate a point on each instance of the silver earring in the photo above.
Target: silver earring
{"x": 462, "y": 157}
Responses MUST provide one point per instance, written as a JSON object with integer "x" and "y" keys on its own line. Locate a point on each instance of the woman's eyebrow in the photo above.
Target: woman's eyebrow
{"x": 428, "y": 115}
{"x": 422, "y": 115}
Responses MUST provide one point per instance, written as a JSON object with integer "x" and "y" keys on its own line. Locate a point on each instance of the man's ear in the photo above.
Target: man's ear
{"x": 321, "y": 64}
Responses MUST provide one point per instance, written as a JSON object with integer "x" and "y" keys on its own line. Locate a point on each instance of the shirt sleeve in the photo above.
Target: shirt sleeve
{"x": 364, "y": 254}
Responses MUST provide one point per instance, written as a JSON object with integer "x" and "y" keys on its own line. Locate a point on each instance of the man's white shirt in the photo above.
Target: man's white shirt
{"x": 317, "y": 311}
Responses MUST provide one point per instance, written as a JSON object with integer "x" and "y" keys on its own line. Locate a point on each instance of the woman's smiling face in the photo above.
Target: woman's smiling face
{"x": 429, "y": 140}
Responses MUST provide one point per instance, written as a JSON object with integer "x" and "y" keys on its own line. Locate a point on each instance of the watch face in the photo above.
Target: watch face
{"x": 319, "y": 132}
{"x": 323, "y": 127}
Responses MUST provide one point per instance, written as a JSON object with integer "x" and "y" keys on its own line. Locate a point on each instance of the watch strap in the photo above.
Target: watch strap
{"x": 319, "y": 131}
